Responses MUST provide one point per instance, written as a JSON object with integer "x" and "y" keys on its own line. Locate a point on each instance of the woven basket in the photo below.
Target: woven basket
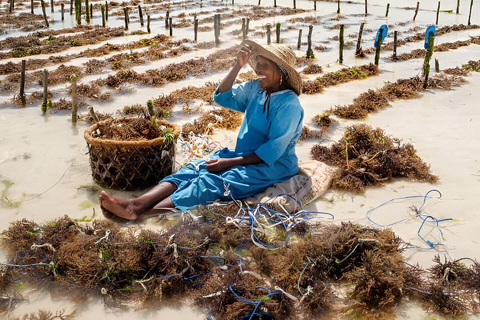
{"x": 130, "y": 165}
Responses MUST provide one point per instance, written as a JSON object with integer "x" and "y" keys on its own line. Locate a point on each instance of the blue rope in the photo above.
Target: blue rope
{"x": 256, "y": 303}
{"x": 184, "y": 278}
{"x": 424, "y": 218}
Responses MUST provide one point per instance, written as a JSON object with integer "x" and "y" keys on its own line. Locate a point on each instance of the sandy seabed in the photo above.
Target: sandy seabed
{"x": 45, "y": 156}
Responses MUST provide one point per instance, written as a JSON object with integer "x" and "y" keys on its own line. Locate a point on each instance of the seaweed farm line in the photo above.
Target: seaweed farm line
{"x": 44, "y": 165}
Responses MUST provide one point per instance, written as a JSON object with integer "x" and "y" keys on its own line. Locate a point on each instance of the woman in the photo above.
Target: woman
{"x": 265, "y": 148}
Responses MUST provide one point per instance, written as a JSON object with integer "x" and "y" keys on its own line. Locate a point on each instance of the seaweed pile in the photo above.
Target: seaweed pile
{"x": 329, "y": 269}
{"x": 375, "y": 100}
{"x": 342, "y": 76}
{"x": 367, "y": 157}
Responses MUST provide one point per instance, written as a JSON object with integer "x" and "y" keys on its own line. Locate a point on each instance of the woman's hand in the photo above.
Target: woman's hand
{"x": 243, "y": 55}
{"x": 218, "y": 165}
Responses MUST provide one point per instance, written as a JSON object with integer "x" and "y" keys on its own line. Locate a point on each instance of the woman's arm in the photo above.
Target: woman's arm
{"x": 242, "y": 58}
{"x": 222, "y": 164}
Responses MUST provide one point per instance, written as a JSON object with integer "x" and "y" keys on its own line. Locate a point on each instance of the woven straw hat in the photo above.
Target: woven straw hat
{"x": 282, "y": 55}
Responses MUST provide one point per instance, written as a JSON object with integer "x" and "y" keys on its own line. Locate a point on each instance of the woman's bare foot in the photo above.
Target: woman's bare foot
{"x": 123, "y": 208}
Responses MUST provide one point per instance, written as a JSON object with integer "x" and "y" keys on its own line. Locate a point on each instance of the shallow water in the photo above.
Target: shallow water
{"x": 45, "y": 157}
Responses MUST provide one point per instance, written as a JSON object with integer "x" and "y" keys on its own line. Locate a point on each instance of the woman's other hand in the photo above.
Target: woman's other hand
{"x": 218, "y": 165}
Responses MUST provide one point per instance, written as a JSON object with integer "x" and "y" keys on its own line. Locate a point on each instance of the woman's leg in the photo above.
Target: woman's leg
{"x": 131, "y": 209}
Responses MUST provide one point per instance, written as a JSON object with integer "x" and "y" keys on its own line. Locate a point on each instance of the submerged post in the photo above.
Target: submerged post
{"x": 51, "y": 6}
{"x": 93, "y": 115}
{"x": 458, "y": 6}
{"x": 388, "y": 8}
{"x": 148, "y": 24}
{"x": 71, "y": 7}
{"x": 170, "y": 26}
{"x": 167, "y": 15}
{"x": 437, "y": 65}
{"x": 44, "y": 13}
{"x": 22, "y": 83}
{"x": 342, "y": 44}
{"x": 78, "y": 11}
{"x": 338, "y": 6}
{"x": 366, "y": 8}
{"x": 358, "y": 50}
{"x": 314, "y": 5}
{"x": 216, "y": 28}
{"x": 309, "y": 48}
{"x": 294, "y": 4}
{"x": 31, "y": 6}
{"x": 62, "y": 8}
{"x": 73, "y": 78}
{"x": 274, "y": 3}
{"x": 106, "y": 10}
{"x": 416, "y": 11}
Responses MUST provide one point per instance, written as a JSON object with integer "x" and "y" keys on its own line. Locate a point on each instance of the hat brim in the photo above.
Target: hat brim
{"x": 294, "y": 78}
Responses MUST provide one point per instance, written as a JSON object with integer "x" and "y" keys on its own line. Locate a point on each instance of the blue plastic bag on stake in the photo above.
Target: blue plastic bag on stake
{"x": 429, "y": 33}
{"x": 383, "y": 30}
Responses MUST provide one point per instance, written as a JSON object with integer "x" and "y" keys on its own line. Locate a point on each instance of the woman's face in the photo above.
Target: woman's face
{"x": 268, "y": 73}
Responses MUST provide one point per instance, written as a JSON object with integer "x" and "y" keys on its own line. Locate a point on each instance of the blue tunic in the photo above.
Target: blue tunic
{"x": 271, "y": 137}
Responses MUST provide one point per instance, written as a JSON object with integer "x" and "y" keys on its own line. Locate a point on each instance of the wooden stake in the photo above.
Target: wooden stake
{"x": 78, "y": 11}
{"x": 342, "y": 43}
{"x": 299, "y": 44}
{"x": 45, "y": 90}
{"x": 125, "y": 13}
{"x": 71, "y": 6}
{"x": 294, "y": 4}
{"x": 378, "y": 48}
{"x": 91, "y": 10}
{"x": 195, "y": 28}
{"x": 426, "y": 62}
{"x": 314, "y": 5}
{"x": 170, "y": 26}
{"x": 359, "y": 40}
{"x": 247, "y": 27}
{"x": 87, "y": 12}
{"x": 438, "y": 12}
{"x": 388, "y": 8}
{"x": 148, "y": 23}
{"x": 437, "y": 66}
{"x": 73, "y": 78}
{"x": 31, "y": 6}
{"x": 458, "y": 6}
{"x": 12, "y": 6}
{"x": 278, "y": 25}
{"x": 470, "y": 14}
{"x": 102, "y": 9}
{"x": 106, "y": 10}
{"x": 416, "y": 11}
{"x": 338, "y": 8}
{"x": 259, "y": 1}
{"x": 167, "y": 15}
{"x": 244, "y": 26}
{"x": 395, "y": 34}
{"x": 44, "y": 13}
{"x": 309, "y": 48}
{"x": 216, "y": 28}
{"x": 269, "y": 33}
{"x": 51, "y": 6}
{"x": 366, "y": 9}
{"x": 62, "y": 8}
{"x": 22, "y": 83}
{"x": 140, "y": 14}
{"x": 274, "y": 3}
